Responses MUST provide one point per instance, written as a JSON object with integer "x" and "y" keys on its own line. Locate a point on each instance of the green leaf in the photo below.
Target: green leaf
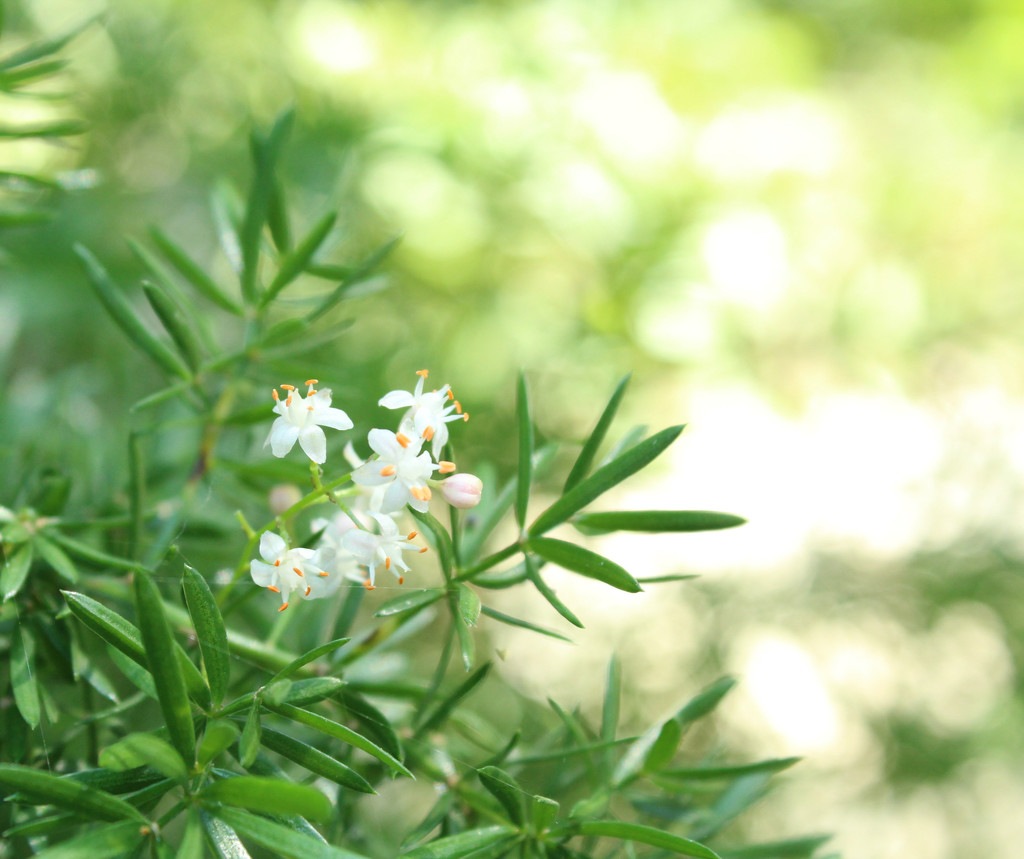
{"x": 584, "y": 462}
{"x": 340, "y": 732}
{"x": 294, "y": 263}
{"x": 23, "y": 675}
{"x": 172, "y": 317}
{"x": 43, "y": 787}
{"x": 523, "y": 624}
{"x": 281, "y": 840}
{"x": 469, "y": 605}
{"x": 61, "y": 564}
{"x": 138, "y": 750}
{"x": 314, "y": 760}
{"x": 15, "y": 571}
{"x": 525, "y": 472}
{"x": 225, "y": 842}
{"x": 604, "y": 479}
{"x": 219, "y": 734}
{"x": 545, "y": 591}
{"x": 444, "y": 709}
{"x": 584, "y": 562}
{"x": 203, "y": 284}
{"x": 277, "y": 220}
{"x": 269, "y": 795}
{"x": 139, "y": 676}
{"x": 249, "y": 745}
{"x": 705, "y": 701}
{"x": 713, "y": 773}
{"x": 306, "y": 658}
{"x": 442, "y": 540}
{"x": 314, "y": 689}
{"x": 191, "y": 845}
{"x": 410, "y": 601}
{"x": 123, "y": 315}
{"x": 461, "y": 845}
{"x": 41, "y": 49}
{"x": 544, "y": 813}
{"x": 793, "y": 848}
{"x": 658, "y": 520}
{"x": 646, "y": 835}
{"x": 665, "y": 745}
{"x": 610, "y": 707}
{"x": 114, "y": 841}
{"x": 506, "y": 790}
{"x": 371, "y": 721}
{"x": 276, "y": 692}
{"x": 358, "y": 274}
{"x": 265, "y": 153}
{"x": 209, "y": 627}
{"x": 161, "y": 657}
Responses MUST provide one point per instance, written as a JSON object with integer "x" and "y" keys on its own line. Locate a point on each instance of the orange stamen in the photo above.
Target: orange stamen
{"x": 401, "y": 580}
{"x": 310, "y": 408}
{"x": 428, "y": 433}
{"x": 387, "y": 563}
{"x": 458, "y": 407}
{"x": 423, "y": 550}
{"x": 308, "y": 589}
{"x": 275, "y": 395}
{"x": 368, "y": 585}
{"x": 283, "y": 607}
{"x": 288, "y": 402}
{"x": 387, "y": 471}
{"x": 312, "y": 382}
{"x": 451, "y": 394}
{"x": 274, "y": 588}
{"x": 412, "y": 535}
{"x": 288, "y": 387}
{"x": 298, "y": 572}
{"x": 423, "y": 373}
{"x": 426, "y": 493}
{"x": 277, "y": 563}
{"x": 465, "y": 417}
{"x": 403, "y": 439}
{"x": 446, "y": 467}
{"x": 322, "y": 575}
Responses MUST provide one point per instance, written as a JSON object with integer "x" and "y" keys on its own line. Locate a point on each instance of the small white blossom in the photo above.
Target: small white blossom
{"x": 385, "y": 548}
{"x": 399, "y": 473}
{"x": 428, "y": 411}
{"x": 331, "y": 555}
{"x": 462, "y": 490}
{"x": 300, "y": 420}
{"x": 285, "y": 570}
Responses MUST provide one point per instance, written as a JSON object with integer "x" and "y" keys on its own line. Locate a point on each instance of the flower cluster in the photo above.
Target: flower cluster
{"x": 399, "y": 473}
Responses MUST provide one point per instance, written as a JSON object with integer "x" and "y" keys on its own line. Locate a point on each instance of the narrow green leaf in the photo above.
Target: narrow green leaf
{"x": 658, "y": 520}
{"x": 442, "y": 541}
{"x": 792, "y": 848}
{"x": 504, "y": 788}
{"x": 172, "y": 317}
{"x": 23, "y": 675}
{"x": 15, "y": 571}
{"x": 604, "y": 479}
{"x": 281, "y": 840}
{"x": 371, "y": 722}
{"x": 161, "y": 657}
{"x": 249, "y": 745}
{"x": 265, "y": 154}
{"x": 705, "y": 701}
{"x": 462, "y": 845}
{"x": 223, "y": 839}
{"x": 217, "y": 737}
{"x": 314, "y": 760}
{"x": 209, "y": 627}
{"x": 203, "y": 284}
{"x": 123, "y": 315}
{"x": 191, "y": 844}
{"x": 43, "y": 787}
{"x": 276, "y": 692}
{"x": 295, "y": 262}
{"x": 584, "y": 562}
{"x": 107, "y": 842}
{"x": 410, "y": 601}
{"x": 85, "y": 552}
{"x": 525, "y": 473}
{"x": 269, "y": 795}
{"x": 469, "y": 605}
{"x": 61, "y": 564}
{"x": 665, "y": 746}
{"x": 713, "y": 773}
{"x": 358, "y": 274}
{"x": 44, "y": 48}
{"x": 277, "y": 220}
{"x": 340, "y": 732}
{"x": 544, "y": 812}
{"x": 59, "y": 128}
{"x": 584, "y": 462}
{"x": 545, "y": 591}
{"x": 612, "y": 700}
{"x": 647, "y": 835}
{"x": 138, "y": 750}
{"x": 467, "y": 645}
{"x": 139, "y": 676}
{"x": 312, "y": 690}
{"x": 443, "y": 710}
{"x": 306, "y": 658}
{"x": 523, "y": 624}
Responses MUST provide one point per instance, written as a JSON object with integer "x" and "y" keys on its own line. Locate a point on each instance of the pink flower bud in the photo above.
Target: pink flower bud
{"x": 283, "y": 496}
{"x": 462, "y": 490}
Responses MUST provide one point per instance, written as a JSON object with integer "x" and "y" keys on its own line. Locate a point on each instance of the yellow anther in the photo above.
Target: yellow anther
{"x": 288, "y": 402}
{"x": 277, "y": 563}
{"x": 428, "y": 433}
{"x": 308, "y": 589}
{"x": 402, "y": 439}
{"x": 401, "y": 580}
{"x": 423, "y": 550}
{"x": 322, "y": 574}
{"x": 283, "y": 607}
{"x": 387, "y": 563}
{"x": 413, "y": 535}
{"x": 423, "y": 373}
{"x": 446, "y": 467}
{"x": 274, "y": 588}
{"x": 465, "y": 417}
{"x": 275, "y": 395}
{"x": 368, "y": 585}
{"x": 458, "y": 407}
{"x": 451, "y": 394}
{"x": 312, "y": 382}
{"x": 288, "y": 387}
{"x": 387, "y": 471}
{"x": 298, "y": 572}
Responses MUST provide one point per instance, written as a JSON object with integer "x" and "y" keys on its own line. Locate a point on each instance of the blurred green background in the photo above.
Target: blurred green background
{"x": 798, "y": 224}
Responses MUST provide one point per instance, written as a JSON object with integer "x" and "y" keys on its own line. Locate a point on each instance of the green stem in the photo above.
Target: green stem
{"x": 489, "y": 561}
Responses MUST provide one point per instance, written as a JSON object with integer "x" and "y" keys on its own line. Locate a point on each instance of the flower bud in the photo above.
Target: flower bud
{"x": 462, "y": 490}
{"x": 283, "y": 496}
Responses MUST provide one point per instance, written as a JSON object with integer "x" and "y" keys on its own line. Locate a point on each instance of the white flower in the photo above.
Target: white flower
{"x": 399, "y": 473}
{"x": 331, "y": 555}
{"x": 462, "y": 490}
{"x": 429, "y": 411}
{"x": 383, "y": 548}
{"x": 285, "y": 570}
{"x": 300, "y": 420}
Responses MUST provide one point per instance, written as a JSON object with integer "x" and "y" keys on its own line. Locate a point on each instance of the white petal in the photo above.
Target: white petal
{"x": 282, "y": 437}
{"x": 322, "y": 586}
{"x": 333, "y": 418}
{"x": 272, "y": 546}
{"x": 396, "y": 400}
{"x": 262, "y": 574}
{"x": 386, "y": 524}
{"x": 396, "y": 497}
{"x": 384, "y": 443}
{"x": 362, "y": 545}
{"x": 314, "y": 443}
{"x": 351, "y": 457}
{"x": 369, "y": 475}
